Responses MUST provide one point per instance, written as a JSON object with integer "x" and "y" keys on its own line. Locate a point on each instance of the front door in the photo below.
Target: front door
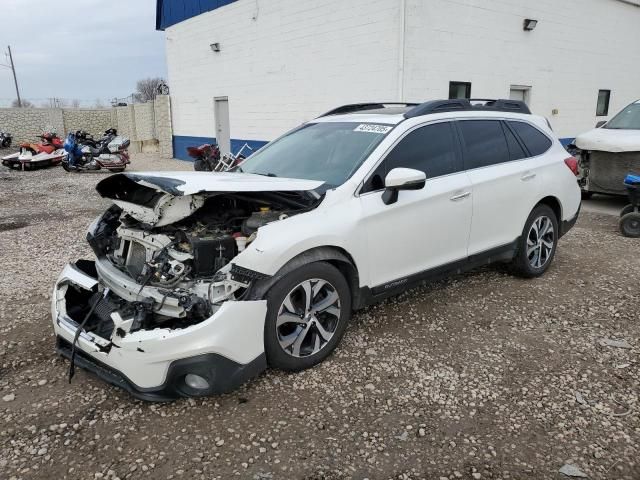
{"x": 223, "y": 129}
{"x": 425, "y": 228}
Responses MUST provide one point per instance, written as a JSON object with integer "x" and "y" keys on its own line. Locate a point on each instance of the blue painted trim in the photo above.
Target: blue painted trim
{"x": 566, "y": 141}
{"x": 181, "y": 142}
{"x": 170, "y": 12}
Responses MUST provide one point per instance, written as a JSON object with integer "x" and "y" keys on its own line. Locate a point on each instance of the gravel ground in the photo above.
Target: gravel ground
{"x": 481, "y": 376}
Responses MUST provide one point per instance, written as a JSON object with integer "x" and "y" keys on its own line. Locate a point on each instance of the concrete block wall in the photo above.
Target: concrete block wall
{"x": 25, "y": 124}
{"x": 94, "y": 121}
{"x": 163, "y": 126}
{"x": 577, "y": 48}
{"x": 281, "y": 62}
{"x": 144, "y": 121}
{"x": 148, "y": 125}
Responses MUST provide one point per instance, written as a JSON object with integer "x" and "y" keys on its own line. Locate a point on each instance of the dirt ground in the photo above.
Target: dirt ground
{"x": 480, "y": 376}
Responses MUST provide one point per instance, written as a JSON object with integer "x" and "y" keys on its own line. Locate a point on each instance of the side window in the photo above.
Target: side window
{"x": 431, "y": 149}
{"x": 485, "y": 143}
{"x": 536, "y": 142}
{"x": 516, "y": 152}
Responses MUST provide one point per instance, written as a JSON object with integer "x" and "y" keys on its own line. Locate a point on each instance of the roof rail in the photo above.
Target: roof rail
{"x": 482, "y": 104}
{"x": 358, "y": 107}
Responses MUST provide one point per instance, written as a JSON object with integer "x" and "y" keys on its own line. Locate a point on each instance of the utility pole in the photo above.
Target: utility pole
{"x": 15, "y": 79}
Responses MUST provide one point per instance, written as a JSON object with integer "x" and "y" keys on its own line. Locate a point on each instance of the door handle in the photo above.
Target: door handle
{"x": 528, "y": 176}
{"x": 460, "y": 196}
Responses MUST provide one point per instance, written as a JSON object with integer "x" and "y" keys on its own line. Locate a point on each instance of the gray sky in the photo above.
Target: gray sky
{"x": 79, "y": 49}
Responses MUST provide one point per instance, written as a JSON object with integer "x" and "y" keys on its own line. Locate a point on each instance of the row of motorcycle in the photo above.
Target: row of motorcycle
{"x": 79, "y": 151}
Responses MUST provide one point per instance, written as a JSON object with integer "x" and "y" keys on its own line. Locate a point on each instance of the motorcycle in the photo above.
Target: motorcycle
{"x": 48, "y": 152}
{"x": 84, "y": 153}
{"x": 207, "y": 158}
{"x": 5, "y": 139}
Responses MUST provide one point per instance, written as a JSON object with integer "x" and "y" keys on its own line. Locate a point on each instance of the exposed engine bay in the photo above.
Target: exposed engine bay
{"x": 164, "y": 260}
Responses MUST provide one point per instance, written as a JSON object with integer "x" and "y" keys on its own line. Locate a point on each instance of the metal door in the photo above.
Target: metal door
{"x": 223, "y": 129}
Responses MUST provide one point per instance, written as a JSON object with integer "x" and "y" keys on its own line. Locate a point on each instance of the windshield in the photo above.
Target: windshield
{"x": 330, "y": 152}
{"x": 627, "y": 119}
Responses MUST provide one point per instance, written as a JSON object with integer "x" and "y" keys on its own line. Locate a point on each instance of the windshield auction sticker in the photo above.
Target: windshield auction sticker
{"x": 371, "y": 128}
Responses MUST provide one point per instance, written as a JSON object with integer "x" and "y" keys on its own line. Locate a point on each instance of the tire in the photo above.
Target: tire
{"x": 586, "y": 195}
{"x": 628, "y": 209}
{"x": 116, "y": 170}
{"x": 200, "y": 166}
{"x": 65, "y": 166}
{"x": 630, "y": 225}
{"x": 534, "y": 255}
{"x": 295, "y": 342}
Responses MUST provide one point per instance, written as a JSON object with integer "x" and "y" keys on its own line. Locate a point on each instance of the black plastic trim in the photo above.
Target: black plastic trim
{"x": 567, "y": 225}
{"x": 460, "y": 105}
{"x": 360, "y": 107}
{"x": 224, "y": 375}
{"x": 503, "y": 253}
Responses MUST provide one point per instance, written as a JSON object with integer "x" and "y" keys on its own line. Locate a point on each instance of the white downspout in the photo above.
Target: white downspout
{"x": 401, "y": 53}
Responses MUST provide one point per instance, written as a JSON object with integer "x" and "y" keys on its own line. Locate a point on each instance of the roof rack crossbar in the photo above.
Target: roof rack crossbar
{"x": 482, "y": 104}
{"x": 358, "y": 107}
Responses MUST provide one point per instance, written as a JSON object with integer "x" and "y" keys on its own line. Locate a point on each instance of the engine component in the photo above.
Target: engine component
{"x": 211, "y": 253}
{"x": 259, "y": 219}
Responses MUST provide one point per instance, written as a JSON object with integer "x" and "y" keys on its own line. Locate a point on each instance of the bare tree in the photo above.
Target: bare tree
{"x": 98, "y": 103}
{"x": 75, "y": 103}
{"x": 24, "y": 103}
{"x": 147, "y": 89}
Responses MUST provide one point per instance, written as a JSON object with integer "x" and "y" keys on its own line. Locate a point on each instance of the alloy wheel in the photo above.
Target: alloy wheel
{"x": 540, "y": 242}
{"x": 308, "y": 318}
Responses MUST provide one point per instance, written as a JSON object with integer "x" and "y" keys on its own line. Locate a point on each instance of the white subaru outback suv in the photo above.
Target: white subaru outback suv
{"x": 202, "y": 280}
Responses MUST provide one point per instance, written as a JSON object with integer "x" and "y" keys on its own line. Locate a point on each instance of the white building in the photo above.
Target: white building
{"x": 253, "y": 69}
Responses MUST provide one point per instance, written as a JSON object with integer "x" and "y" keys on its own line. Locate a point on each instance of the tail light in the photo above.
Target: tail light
{"x": 572, "y": 163}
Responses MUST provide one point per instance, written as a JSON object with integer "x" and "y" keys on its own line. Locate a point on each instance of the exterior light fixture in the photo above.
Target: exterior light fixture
{"x": 215, "y": 47}
{"x": 530, "y": 24}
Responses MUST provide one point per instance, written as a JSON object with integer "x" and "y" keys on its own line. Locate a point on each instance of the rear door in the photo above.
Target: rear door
{"x": 425, "y": 228}
{"x": 504, "y": 181}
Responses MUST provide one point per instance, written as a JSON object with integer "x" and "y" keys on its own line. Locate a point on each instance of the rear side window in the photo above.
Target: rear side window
{"x": 536, "y": 142}
{"x": 485, "y": 143}
{"x": 516, "y": 152}
{"x": 430, "y": 149}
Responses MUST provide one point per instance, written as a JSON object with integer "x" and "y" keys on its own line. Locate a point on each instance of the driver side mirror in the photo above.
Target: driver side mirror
{"x": 601, "y": 123}
{"x": 402, "y": 179}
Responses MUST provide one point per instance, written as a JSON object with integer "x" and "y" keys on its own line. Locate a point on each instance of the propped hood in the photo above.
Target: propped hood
{"x": 162, "y": 198}
{"x": 609, "y": 140}
{"x": 190, "y": 183}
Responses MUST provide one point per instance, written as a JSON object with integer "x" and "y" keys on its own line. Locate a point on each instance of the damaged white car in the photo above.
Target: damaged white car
{"x": 610, "y": 152}
{"x": 202, "y": 280}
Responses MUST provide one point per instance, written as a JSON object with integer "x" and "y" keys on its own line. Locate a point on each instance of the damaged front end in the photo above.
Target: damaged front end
{"x": 163, "y": 289}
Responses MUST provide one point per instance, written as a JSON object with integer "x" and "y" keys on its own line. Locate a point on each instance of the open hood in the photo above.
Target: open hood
{"x": 162, "y": 198}
{"x": 609, "y": 140}
{"x": 190, "y": 183}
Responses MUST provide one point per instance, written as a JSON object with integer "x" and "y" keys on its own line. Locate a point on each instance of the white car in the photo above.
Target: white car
{"x": 609, "y": 152}
{"x": 202, "y": 280}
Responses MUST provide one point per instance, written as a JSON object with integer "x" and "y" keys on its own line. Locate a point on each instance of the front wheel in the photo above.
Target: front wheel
{"x": 307, "y": 314}
{"x": 630, "y": 225}
{"x": 538, "y": 242}
{"x": 116, "y": 170}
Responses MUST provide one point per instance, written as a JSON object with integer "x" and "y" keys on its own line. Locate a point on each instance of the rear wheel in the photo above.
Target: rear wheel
{"x": 116, "y": 170}
{"x": 538, "y": 242}
{"x": 307, "y": 314}
{"x": 586, "y": 195}
{"x": 630, "y": 225}
{"x": 628, "y": 209}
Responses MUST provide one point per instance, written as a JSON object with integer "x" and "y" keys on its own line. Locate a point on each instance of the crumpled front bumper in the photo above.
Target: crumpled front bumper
{"x": 227, "y": 348}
